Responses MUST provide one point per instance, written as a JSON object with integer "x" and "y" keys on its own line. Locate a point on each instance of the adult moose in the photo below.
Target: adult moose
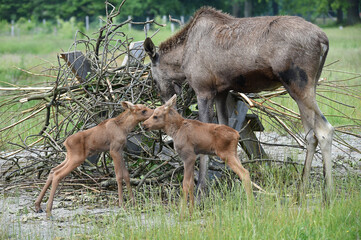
{"x": 216, "y": 52}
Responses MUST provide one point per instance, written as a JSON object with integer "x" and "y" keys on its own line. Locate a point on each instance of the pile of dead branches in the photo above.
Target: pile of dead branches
{"x": 79, "y": 100}
{"x": 37, "y": 120}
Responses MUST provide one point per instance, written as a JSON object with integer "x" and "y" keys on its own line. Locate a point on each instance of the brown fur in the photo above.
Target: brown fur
{"x": 109, "y": 135}
{"x": 192, "y": 137}
{"x": 181, "y": 36}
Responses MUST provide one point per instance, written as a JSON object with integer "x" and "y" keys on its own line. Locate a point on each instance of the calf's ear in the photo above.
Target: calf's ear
{"x": 149, "y": 48}
{"x": 171, "y": 102}
{"x": 127, "y": 105}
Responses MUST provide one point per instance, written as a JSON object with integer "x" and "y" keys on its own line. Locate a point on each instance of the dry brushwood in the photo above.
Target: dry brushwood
{"x": 73, "y": 104}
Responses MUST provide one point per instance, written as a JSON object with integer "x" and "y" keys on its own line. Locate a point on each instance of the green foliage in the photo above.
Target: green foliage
{"x": 4, "y": 27}
{"x": 139, "y": 9}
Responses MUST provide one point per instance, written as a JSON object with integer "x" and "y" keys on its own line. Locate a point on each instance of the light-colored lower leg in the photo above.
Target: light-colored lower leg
{"x": 324, "y": 133}
{"x": 188, "y": 184}
{"x": 311, "y": 142}
{"x": 46, "y": 186}
{"x": 235, "y": 164}
{"x": 58, "y": 175}
{"x": 129, "y": 187}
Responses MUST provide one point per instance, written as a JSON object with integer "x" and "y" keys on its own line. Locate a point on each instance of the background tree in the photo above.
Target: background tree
{"x": 353, "y": 12}
{"x": 248, "y": 8}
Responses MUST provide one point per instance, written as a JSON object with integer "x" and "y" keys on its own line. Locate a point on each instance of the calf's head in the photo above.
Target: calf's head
{"x": 139, "y": 111}
{"x": 166, "y": 75}
{"x": 159, "y": 119}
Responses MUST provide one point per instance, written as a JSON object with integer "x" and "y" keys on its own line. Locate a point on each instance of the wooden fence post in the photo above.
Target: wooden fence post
{"x": 12, "y": 28}
{"x": 87, "y": 23}
{"x": 147, "y": 25}
{"x": 129, "y": 24}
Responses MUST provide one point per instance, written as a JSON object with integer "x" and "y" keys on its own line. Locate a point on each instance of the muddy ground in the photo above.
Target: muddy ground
{"x": 19, "y": 221}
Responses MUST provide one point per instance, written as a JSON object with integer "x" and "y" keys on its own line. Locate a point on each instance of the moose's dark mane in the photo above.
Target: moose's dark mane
{"x": 182, "y": 34}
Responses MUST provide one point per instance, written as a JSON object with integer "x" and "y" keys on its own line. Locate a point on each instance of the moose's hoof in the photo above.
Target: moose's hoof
{"x": 39, "y": 210}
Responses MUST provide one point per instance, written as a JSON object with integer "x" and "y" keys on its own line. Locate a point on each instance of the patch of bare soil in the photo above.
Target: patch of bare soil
{"x": 19, "y": 221}
{"x": 344, "y": 159}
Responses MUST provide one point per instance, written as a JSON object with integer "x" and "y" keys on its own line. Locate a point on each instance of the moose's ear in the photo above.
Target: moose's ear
{"x": 127, "y": 105}
{"x": 171, "y": 102}
{"x": 149, "y": 48}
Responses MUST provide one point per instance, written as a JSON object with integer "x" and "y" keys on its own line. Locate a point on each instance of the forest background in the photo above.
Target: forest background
{"x": 345, "y": 11}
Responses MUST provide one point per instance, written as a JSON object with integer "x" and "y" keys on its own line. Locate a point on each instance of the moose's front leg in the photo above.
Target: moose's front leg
{"x": 205, "y": 108}
{"x": 221, "y": 107}
{"x": 205, "y": 113}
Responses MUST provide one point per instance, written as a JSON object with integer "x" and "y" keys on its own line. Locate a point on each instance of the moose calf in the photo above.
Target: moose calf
{"x": 192, "y": 137}
{"x": 111, "y": 135}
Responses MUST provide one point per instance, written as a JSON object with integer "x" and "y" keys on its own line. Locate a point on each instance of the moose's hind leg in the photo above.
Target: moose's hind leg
{"x": 318, "y": 132}
{"x": 301, "y": 85}
{"x": 307, "y": 117}
{"x": 324, "y": 133}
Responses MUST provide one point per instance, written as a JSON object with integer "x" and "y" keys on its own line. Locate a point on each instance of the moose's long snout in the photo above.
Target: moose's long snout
{"x": 145, "y": 126}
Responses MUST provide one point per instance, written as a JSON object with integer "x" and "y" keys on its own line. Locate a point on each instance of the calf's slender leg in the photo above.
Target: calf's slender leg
{"x": 235, "y": 164}
{"x": 72, "y": 163}
{"x": 188, "y": 182}
{"x": 127, "y": 183}
{"x": 46, "y": 186}
{"x": 121, "y": 173}
{"x": 118, "y": 174}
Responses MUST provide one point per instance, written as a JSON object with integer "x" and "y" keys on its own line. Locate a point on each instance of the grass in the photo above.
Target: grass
{"x": 38, "y": 52}
{"x": 222, "y": 215}
{"x": 225, "y": 215}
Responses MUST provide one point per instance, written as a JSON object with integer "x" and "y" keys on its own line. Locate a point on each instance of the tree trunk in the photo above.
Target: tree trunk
{"x": 236, "y": 8}
{"x": 353, "y": 16}
{"x": 247, "y": 8}
{"x": 275, "y": 8}
{"x": 339, "y": 16}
